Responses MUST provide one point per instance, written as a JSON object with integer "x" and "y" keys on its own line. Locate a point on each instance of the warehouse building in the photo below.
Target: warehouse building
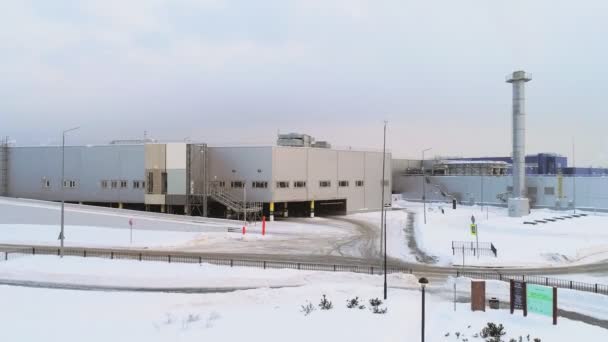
{"x": 196, "y": 179}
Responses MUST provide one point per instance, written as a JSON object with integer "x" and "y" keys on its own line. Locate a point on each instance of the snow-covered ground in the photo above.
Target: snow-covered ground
{"x": 266, "y": 314}
{"x": 37, "y": 222}
{"x": 572, "y": 241}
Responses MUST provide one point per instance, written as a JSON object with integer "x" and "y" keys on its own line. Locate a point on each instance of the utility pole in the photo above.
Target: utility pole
{"x": 383, "y": 219}
{"x": 573, "y": 178}
{"x": 61, "y": 234}
{"x": 423, "y": 182}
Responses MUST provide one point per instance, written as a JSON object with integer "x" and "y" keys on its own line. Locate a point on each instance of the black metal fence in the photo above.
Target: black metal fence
{"x": 470, "y": 248}
{"x": 193, "y": 258}
{"x": 538, "y": 280}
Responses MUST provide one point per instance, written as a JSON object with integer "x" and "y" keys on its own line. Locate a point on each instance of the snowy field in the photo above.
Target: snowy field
{"x": 572, "y": 241}
{"x": 257, "y": 314}
{"x": 37, "y": 222}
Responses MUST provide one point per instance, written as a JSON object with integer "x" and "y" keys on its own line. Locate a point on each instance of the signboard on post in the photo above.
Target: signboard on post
{"x": 542, "y": 300}
{"x": 478, "y": 295}
{"x": 518, "y": 296}
{"x": 473, "y": 229}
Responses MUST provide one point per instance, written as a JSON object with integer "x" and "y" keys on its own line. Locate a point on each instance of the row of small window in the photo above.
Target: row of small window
{"x": 122, "y": 184}
{"x": 286, "y": 184}
{"x": 46, "y": 183}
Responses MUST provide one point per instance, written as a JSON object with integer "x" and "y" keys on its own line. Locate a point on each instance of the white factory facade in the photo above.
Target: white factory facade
{"x": 196, "y": 179}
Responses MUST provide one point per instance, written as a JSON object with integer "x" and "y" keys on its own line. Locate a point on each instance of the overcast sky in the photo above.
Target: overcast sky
{"x": 230, "y": 72}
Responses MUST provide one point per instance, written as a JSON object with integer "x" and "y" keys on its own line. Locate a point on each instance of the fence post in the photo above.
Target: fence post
{"x": 169, "y": 258}
{"x": 231, "y": 262}
{"x": 500, "y": 276}
{"x": 457, "y": 273}
{"x": 111, "y": 255}
{"x": 140, "y": 256}
{"x": 298, "y": 265}
{"x": 546, "y": 281}
{"x": 595, "y": 288}
{"x": 84, "y": 253}
{"x": 523, "y": 277}
{"x": 58, "y": 251}
{"x": 6, "y": 255}
{"x": 33, "y": 250}
{"x": 334, "y": 268}
{"x": 200, "y": 259}
{"x": 264, "y": 264}
{"x": 371, "y": 270}
{"x": 570, "y": 284}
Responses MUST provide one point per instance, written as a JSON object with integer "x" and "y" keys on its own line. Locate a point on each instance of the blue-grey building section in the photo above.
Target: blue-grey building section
{"x": 544, "y": 164}
{"x": 93, "y": 174}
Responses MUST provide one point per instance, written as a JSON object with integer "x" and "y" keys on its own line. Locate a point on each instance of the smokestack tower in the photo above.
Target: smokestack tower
{"x": 519, "y": 205}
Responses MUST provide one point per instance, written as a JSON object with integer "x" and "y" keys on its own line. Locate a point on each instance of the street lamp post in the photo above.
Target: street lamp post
{"x": 423, "y": 282}
{"x": 61, "y": 233}
{"x": 423, "y": 182}
{"x": 382, "y": 217}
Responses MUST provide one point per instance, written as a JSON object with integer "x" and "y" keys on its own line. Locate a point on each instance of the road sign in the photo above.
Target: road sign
{"x": 473, "y": 229}
{"x": 473, "y": 219}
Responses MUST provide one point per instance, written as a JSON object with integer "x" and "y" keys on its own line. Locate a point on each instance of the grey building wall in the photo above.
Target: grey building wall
{"x": 88, "y": 166}
{"x": 591, "y": 192}
{"x": 274, "y": 164}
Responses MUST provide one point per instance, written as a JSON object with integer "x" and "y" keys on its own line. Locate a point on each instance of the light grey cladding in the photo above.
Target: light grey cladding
{"x": 247, "y": 164}
{"x": 88, "y": 166}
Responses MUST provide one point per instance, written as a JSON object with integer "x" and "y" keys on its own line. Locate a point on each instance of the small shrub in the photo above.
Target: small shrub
{"x": 352, "y": 303}
{"x": 457, "y": 335}
{"x": 493, "y": 332}
{"x": 307, "y": 309}
{"x": 537, "y": 340}
{"x": 375, "y": 306}
{"x": 325, "y": 304}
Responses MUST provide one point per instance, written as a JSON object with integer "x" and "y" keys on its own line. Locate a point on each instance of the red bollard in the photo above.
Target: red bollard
{"x": 263, "y": 225}
{"x": 244, "y": 230}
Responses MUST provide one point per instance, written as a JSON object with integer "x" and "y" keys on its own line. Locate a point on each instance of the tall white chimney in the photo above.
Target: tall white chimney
{"x": 519, "y": 205}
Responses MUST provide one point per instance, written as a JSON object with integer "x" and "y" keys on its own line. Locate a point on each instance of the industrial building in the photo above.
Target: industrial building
{"x": 197, "y": 179}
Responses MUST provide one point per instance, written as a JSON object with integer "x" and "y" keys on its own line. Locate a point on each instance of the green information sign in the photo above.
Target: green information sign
{"x": 540, "y": 299}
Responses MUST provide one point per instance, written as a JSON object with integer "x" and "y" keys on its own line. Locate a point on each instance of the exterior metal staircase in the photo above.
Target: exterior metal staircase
{"x": 220, "y": 195}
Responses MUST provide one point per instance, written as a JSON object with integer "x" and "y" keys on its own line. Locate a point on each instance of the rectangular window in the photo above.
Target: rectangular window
{"x": 299, "y": 184}
{"x": 282, "y": 185}
{"x": 104, "y": 184}
{"x": 163, "y": 182}
{"x": 114, "y": 184}
{"x": 69, "y": 184}
{"x": 150, "y": 181}
{"x": 359, "y": 183}
{"x": 135, "y": 184}
{"x": 46, "y": 183}
{"x": 259, "y": 185}
{"x": 236, "y": 184}
{"x": 509, "y": 189}
{"x": 324, "y": 184}
{"x": 222, "y": 184}
{"x": 123, "y": 184}
{"x": 143, "y": 184}
{"x": 549, "y": 191}
{"x": 343, "y": 184}
{"x": 532, "y": 190}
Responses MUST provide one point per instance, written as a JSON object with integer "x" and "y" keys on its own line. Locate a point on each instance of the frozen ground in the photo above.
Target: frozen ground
{"x": 31, "y": 314}
{"x": 37, "y": 222}
{"x": 563, "y": 242}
